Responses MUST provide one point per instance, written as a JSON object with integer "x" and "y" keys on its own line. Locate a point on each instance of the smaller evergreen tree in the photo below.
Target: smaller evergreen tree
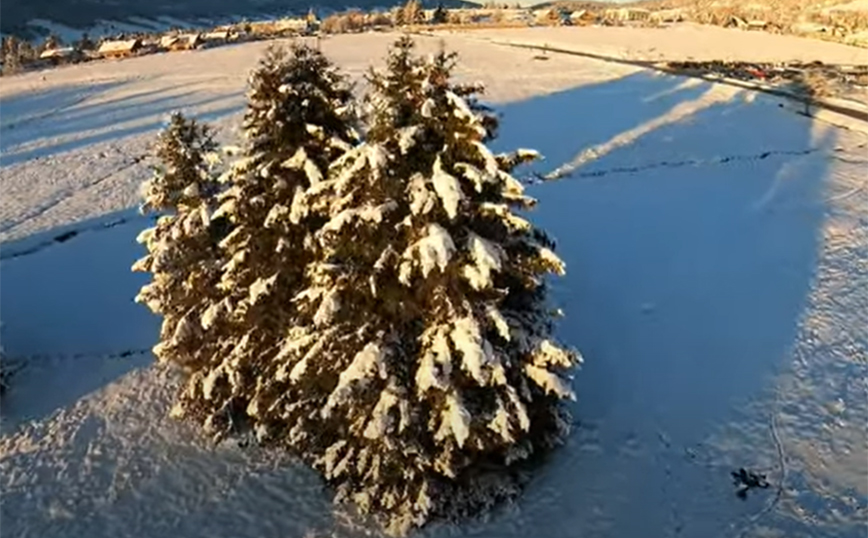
{"x": 397, "y": 15}
{"x": 53, "y": 41}
{"x": 413, "y": 13}
{"x": 182, "y": 257}
{"x": 85, "y": 43}
{"x": 440, "y": 15}
{"x": 11, "y": 55}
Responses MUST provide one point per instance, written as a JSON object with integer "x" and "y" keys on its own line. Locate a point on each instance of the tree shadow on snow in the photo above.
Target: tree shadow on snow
{"x": 683, "y": 292}
{"x": 109, "y": 120}
{"x": 22, "y": 108}
{"x": 561, "y": 124}
{"x": 684, "y": 288}
{"x": 68, "y": 313}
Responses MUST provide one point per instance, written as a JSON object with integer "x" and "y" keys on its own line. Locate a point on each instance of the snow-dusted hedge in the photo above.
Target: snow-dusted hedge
{"x": 374, "y": 304}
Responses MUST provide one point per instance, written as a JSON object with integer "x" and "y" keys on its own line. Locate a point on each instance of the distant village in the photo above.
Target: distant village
{"x": 20, "y": 55}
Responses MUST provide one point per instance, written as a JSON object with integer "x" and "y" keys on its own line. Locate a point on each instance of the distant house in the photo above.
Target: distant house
{"x": 218, "y": 36}
{"x": 808, "y": 28}
{"x": 638, "y": 15}
{"x": 626, "y": 14}
{"x": 757, "y": 25}
{"x": 119, "y": 49}
{"x": 167, "y": 41}
{"x": 858, "y": 39}
{"x": 582, "y": 16}
{"x": 735, "y": 22}
{"x": 180, "y": 42}
{"x": 517, "y": 15}
{"x": 667, "y": 16}
{"x": 61, "y": 55}
{"x": 301, "y": 26}
{"x": 540, "y": 15}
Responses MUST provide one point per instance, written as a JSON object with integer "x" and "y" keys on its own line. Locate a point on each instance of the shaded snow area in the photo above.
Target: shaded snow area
{"x": 717, "y": 285}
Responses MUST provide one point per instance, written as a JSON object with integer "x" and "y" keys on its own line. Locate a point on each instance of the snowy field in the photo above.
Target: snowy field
{"x": 717, "y": 252}
{"x": 684, "y": 41}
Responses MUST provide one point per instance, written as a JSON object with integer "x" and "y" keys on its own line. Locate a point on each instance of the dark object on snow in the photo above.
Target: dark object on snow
{"x": 66, "y": 236}
{"x": 7, "y": 370}
{"x": 745, "y": 480}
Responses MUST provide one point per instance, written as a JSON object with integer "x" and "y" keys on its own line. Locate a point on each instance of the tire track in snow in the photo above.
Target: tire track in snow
{"x": 14, "y": 364}
{"x": 542, "y": 178}
{"x": 531, "y": 179}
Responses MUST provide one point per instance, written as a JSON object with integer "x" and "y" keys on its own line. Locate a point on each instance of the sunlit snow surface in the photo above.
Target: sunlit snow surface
{"x": 717, "y": 284}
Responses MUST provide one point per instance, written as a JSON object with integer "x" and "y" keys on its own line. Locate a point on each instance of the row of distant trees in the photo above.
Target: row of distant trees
{"x": 17, "y": 52}
{"x": 412, "y": 13}
{"x": 355, "y": 20}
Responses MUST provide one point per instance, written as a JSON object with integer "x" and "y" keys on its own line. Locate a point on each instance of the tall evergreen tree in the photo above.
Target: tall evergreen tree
{"x": 298, "y": 120}
{"x": 53, "y": 41}
{"x": 11, "y": 55}
{"x": 423, "y": 355}
{"x": 440, "y": 15}
{"x": 413, "y": 13}
{"x": 85, "y": 43}
{"x": 398, "y": 96}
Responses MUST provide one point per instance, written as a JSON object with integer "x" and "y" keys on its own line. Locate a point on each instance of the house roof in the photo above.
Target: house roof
{"x": 58, "y": 52}
{"x": 119, "y": 46}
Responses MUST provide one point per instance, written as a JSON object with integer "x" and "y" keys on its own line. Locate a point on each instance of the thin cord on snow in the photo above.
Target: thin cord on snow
{"x": 782, "y": 466}
{"x": 535, "y": 178}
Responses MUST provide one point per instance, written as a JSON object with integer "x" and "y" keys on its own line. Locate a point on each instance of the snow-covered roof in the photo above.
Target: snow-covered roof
{"x": 169, "y": 40}
{"x": 217, "y": 34}
{"x": 119, "y": 46}
{"x": 58, "y": 52}
{"x": 288, "y": 24}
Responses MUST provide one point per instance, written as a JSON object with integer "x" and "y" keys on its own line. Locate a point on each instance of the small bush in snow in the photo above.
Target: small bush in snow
{"x": 380, "y": 308}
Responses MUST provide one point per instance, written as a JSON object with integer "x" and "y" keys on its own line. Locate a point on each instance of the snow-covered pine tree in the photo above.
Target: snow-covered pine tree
{"x": 183, "y": 256}
{"x": 423, "y": 365}
{"x": 298, "y": 120}
{"x": 398, "y": 94}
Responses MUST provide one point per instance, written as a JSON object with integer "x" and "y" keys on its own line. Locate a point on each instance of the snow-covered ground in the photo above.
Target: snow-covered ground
{"x": 717, "y": 251}
{"x": 684, "y": 41}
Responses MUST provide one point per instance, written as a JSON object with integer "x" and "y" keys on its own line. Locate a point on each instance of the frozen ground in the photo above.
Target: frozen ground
{"x": 717, "y": 248}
